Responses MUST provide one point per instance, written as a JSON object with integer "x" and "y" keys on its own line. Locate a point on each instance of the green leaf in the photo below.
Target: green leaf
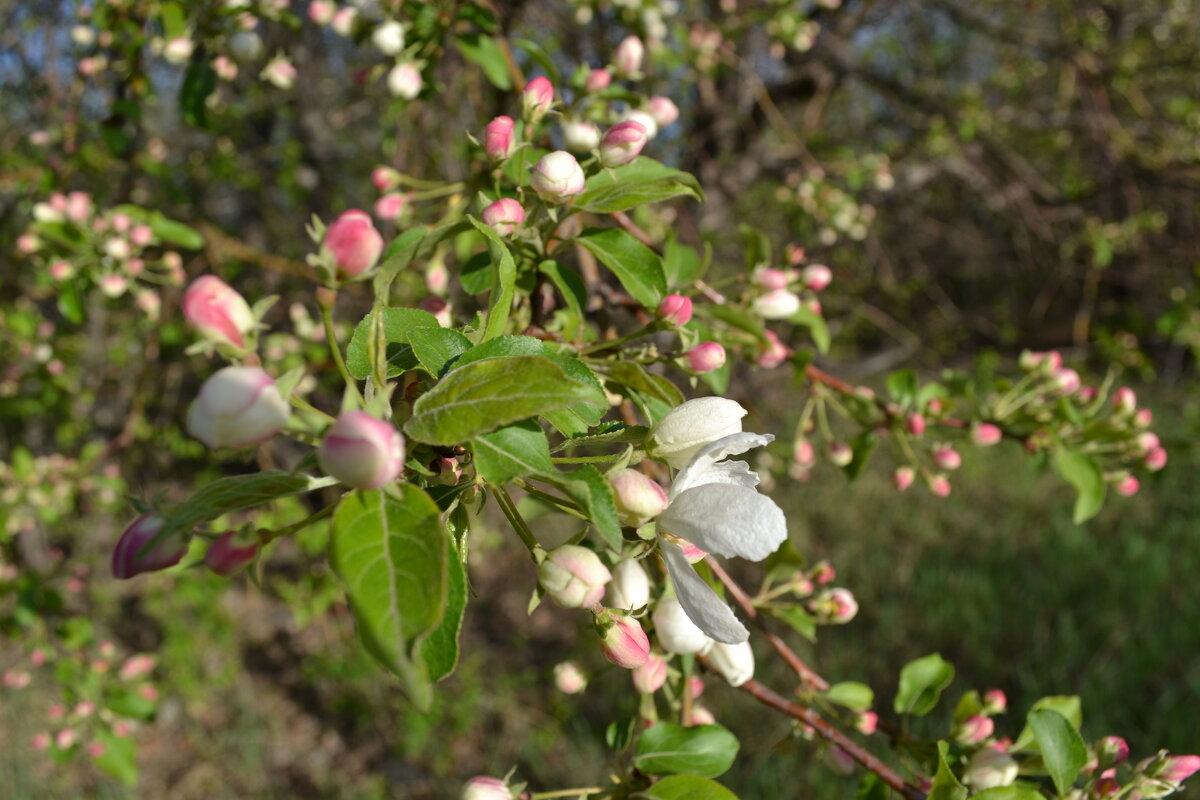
{"x": 391, "y": 554}
{"x": 128, "y": 703}
{"x": 705, "y": 750}
{"x": 587, "y": 487}
{"x": 639, "y": 182}
{"x": 543, "y": 59}
{"x": 70, "y": 302}
{"x": 477, "y": 273}
{"x": 801, "y": 621}
{"x": 439, "y": 651}
{"x": 636, "y": 266}
{"x": 1063, "y": 750}
{"x": 902, "y": 385}
{"x": 398, "y": 323}
{"x": 1009, "y": 793}
{"x": 234, "y": 494}
{"x": 174, "y": 21}
{"x": 505, "y": 281}
{"x": 608, "y": 433}
{"x": 412, "y": 245}
{"x": 119, "y": 757}
{"x": 854, "y": 696}
{"x": 737, "y": 318}
{"x": 681, "y": 263}
{"x": 198, "y": 83}
{"x": 1084, "y": 474}
{"x": 969, "y": 705}
{"x": 437, "y": 347}
{"x": 921, "y": 684}
{"x": 872, "y": 788}
{"x": 686, "y": 787}
{"x": 636, "y": 377}
{"x": 176, "y": 233}
{"x": 863, "y": 446}
{"x": 514, "y": 451}
{"x": 484, "y": 51}
{"x": 816, "y": 327}
{"x": 568, "y": 283}
{"x": 1069, "y": 706}
{"x": 484, "y": 395}
{"x": 945, "y": 785}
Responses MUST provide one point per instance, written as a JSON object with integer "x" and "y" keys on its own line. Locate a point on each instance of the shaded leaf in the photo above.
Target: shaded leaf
{"x": 666, "y": 749}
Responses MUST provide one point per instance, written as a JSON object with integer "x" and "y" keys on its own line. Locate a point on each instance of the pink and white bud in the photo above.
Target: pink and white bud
{"x": 1106, "y": 786}
{"x": 903, "y": 478}
{"x": 218, "y": 312}
{"x": 867, "y": 722}
{"x": 1148, "y": 442}
{"x": 384, "y": 178}
{"x": 1179, "y": 768}
{"x": 702, "y": 715}
{"x": 79, "y": 206}
{"x": 676, "y": 310}
{"x": 939, "y": 485}
{"x": 985, "y": 434}
{"x": 598, "y": 80}
{"x": 557, "y": 176}
{"x": 649, "y": 677}
{"x": 1156, "y": 459}
{"x": 61, "y": 270}
{"x": 817, "y": 276}
{"x": 627, "y": 60}
{"x": 279, "y": 72}
{"x": 16, "y": 679}
{"x": 137, "y": 666}
{"x": 353, "y": 243}
{"x": 1143, "y": 418}
{"x": 644, "y": 119}
{"x": 1087, "y": 394}
{"x": 178, "y": 50}
{"x": 840, "y": 454}
{"x": 569, "y": 678}
{"x": 485, "y": 788}
{"x": 343, "y": 20}
{"x": 637, "y": 497}
{"x": 915, "y": 424}
{"x": 772, "y": 279}
{"x": 536, "y": 99}
{"x": 994, "y": 701}
{"x": 696, "y": 686}
{"x": 504, "y": 216}
{"x": 622, "y": 640}
{"x": 439, "y": 308}
{"x": 663, "y": 110}
{"x": 1066, "y": 381}
{"x": 823, "y": 573}
{"x": 321, "y": 11}
{"x": 1047, "y": 362}
{"x": 437, "y": 278}
{"x": 676, "y": 632}
{"x": 1127, "y": 486}
{"x": 40, "y": 741}
{"x": 1124, "y": 401}
{"x": 838, "y": 606}
{"x": 803, "y": 452}
{"x": 1111, "y": 751}
{"x": 705, "y": 357}
{"x": 975, "y": 729}
{"x": 237, "y": 407}
{"x": 733, "y": 662}
{"x": 573, "y": 576}
{"x": 580, "y": 136}
{"x": 66, "y": 738}
{"x": 498, "y": 138}
{"x": 990, "y": 768}
{"x": 225, "y": 556}
{"x": 127, "y": 560}
{"x": 947, "y": 458}
{"x": 362, "y": 451}
{"x": 388, "y": 37}
{"x": 141, "y": 235}
{"x": 777, "y": 304}
{"x": 404, "y": 81}
{"x": 118, "y": 247}
{"x": 688, "y": 427}
{"x": 391, "y": 205}
{"x": 622, "y": 143}
{"x": 630, "y": 586}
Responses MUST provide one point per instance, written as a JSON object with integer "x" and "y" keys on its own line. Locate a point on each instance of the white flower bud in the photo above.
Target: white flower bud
{"x": 675, "y": 630}
{"x": 630, "y": 587}
{"x": 573, "y": 576}
{"x": 237, "y": 407}
{"x": 779, "y": 304}
{"x": 389, "y": 37}
{"x": 990, "y": 768}
{"x": 688, "y": 427}
{"x": 638, "y": 498}
{"x": 404, "y": 81}
{"x": 733, "y": 662}
{"x": 644, "y": 119}
{"x": 580, "y": 136}
{"x": 557, "y": 176}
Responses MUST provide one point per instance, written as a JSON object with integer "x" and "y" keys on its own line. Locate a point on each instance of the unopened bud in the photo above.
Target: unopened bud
{"x": 915, "y": 424}
{"x": 823, "y": 573}
{"x": 975, "y": 729}
{"x": 663, "y": 110}
{"x": 705, "y": 357}
{"x": 676, "y": 310}
{"x": 384, "y": 178}
{"x": 702, "y": 715}
{"x": 573, "y": 576}
{"x": 1127, "y": 486}
{"x": 939, "y": 485}
{"x": 630, "y": 587}
{"x": 990, "y": 768}
{"x": 218, "y": 312}
{"x": 485, "y": 788}
{"x": 1156, "y": 459}
{"x": 803, "y": 453}
{"x": 985, "y": 434}
{"x": 835, "y": 606}
{"x": 537, "y": 98}
{"x": 627, "y": 61}
{"x": 775, "y": 354}
{"x": 817, "y": 276}
{"x": 498, "y": 138}
{"x": 622, "y": 639}
{"x": 947, "y": 458}
{"x": 1143, "y": 418}
{"x": 580, "y": 136}
{"x": 449, "y": 471}
{"x": 994, "y": 701}
{"x": 733, "y": 662}
{"x": 688, "y": 427}
{"x": 622, "y": 143}
{"x": 840, "y": 454}
{"x": 237, "y": 407}
{"x": 777, "y": 304}
{"x": 903, "y": 478}
{"x": 391, "y": 206}
{"x": 675, "y": 630}
{"x": 772, "y": 279}
{"x": 557, "y": 176}
{"x": 598, "y": 80}
{"x": 225, "y": 556}
{"x": 127, "y": 558}
{"x": 353, "y": 243}
{"x": 321, "y": 11}
{"x": 405, "y": 81}
{"x": 361, "y": 451}
{"x": 569, "y": 678}
{"x": 1124, "y": 401}
{"x": 1067, "y": 381}
{"x": 388, "y": 37}
{"x": 343, "y": 20}
{"x": 1179, "y": 768}
{"x": 504, "y": 216}
{"x": 1111, "y": 751}
{"x": 867, "y": 722}
{"x": 649, "y": 677}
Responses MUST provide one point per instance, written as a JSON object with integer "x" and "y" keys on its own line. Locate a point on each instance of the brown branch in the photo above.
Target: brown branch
{"x": 826, "y": 731}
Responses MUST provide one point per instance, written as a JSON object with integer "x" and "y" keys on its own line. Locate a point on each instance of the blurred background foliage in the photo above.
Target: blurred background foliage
{"x": 981, "y": 176}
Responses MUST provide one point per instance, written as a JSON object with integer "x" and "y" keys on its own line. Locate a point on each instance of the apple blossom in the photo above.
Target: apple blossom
{"x": 1156, "y": 459}
{"x": 777, "y": 304}
{"x": 675, "y": 631}
{"x": 1112, "y": 750}
{"x": 994, "y": 701}
{"x": 867, "y": 722}
{"x": 343, "y": 20}
{"x": 178, "y": 50}
{"x": 1127, "y": 486}
{"x": 630, "y": 586}
{"x": 622, "y": 143}
{"x": 536, "y": 99}
{"x": 384, "y": 178}
{"x": 485, "y": 788}
{"x": 939, "y": 485}
{"x": 975, "y": 729}
{"x": 391, "y": 205}
{"x": 237, "y": 407}
{"x": 129, "y": 560}
{"x": 504, "y": 216}
{"x": 218, "y": 312}
{"x": 947, "y": 458}
{"x": 569, "y": 678}
{"x": 644, "y": 119}
{"x": 388, "y": 37}
{"x": 280, "y": 72}
{"x": 772, "y": 279}
{"x": 702, "y": 715}
{"x": 362, "y": 451}
{"x": 985, "y": 434}
{"x": 321, "y": 11}
{"x": 598, "y": 80}
{"x": 557, "y": 176}
{"x": 622, "y": 639}
{"x": 840, "y": 454}
{"x": 573, "y": 576}
{"x": 676, "y": 310}
{"x": 663, "y": 110}
{"x": 627, "y": 60}
{"x": 915, "y": 424}
{"x": 353, "y": 243}
{"x": 580, "y": 136}
{"x": 690, "y": 426}
{"x": 1066, "y": 381}
{"x": 404, "y": 81}
{"x": 817, "y": 276}
{"x": 989, "y": 768}
{"x": 498, "y": 138}
{"x": 1124, "y": 401}
{"x": 733, "y": 662}
{"x": 705, "y": 357}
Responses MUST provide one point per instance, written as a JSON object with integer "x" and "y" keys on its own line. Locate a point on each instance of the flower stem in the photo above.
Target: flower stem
{"x": 331, "y": 341}
{"x": 518, "y": 523}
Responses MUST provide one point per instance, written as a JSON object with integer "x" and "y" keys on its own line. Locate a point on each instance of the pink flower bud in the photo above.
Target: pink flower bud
{"x": 649, "y": 677}
{"x": 1148, "y": 442}
{"x": 627, "y": 61}
{"x": 343, "y": 20}
{"x": 630, "y": 586}
{"x": 1179, "y": 768}
{"x": 237, "y": 407}
{"x": 536, "y": 99}
{"x": 40, "y": 741}
{"x": 823, "y": 573}
{"x": 484, "y": 788}
{"x": 1066, "y": 381}
{"x": 569, "y": 678}
{"x": 225, "y": 557}
{"x": 675, "y": 631}
{"x": 1086, "y": 394}
{"x": 1156, "y": 459}
{"x": 85, "y": 709}
{"x": 498, "y": 138}
{"x": 696, "y": 685}
{"x": 622, "y": 143}
{"x": 975, "y": 729}
{"x": 772, "y": 279}
{"x": 127, "y": 560}
{"x": 137, "y": 666}
{"x": 405, "y": 81}
{"x": 1143, "y": 417}
{"x": 16, "y": 679}
{"x": 598, "y": 80}
{"x": 903, "y": 478}
{"x": 637, "y": 497}
{"x": 840, "y": 454}
{"x": 61, "y": 270}
{"x": 391, "y": 205}
{"x": 141, "y": 235}
{"x": 705, "y": 357}
{"x": 995, "y": 701}
{"x": 775, "y": 354}
{"x": 1107, "y": 786}
{"x": 353, "y": 243}
{"x": 985, "y": 434}
{"x": 504, "y": 216}
{"x": 557, "y": 176}
{"x": 1124, "y": 401}
{"x": 65, "y": 738}
{"x": 777, "y": 304}
{"x": 1047, "y": 362}
{"x": 573, "y": 576}
{"x": 915, "y": 424}
{"x": 702, "y": 715}
{"x": 279, "y": 71}
{"x": 663, "y": 110}
{"x": 867, "y": 722}
{"x": 817, "y": 276}
{"x": 321, "y": 11}
{"x": 675, "y": 309}
{"x": 1112, "y": 750}
{"x": 384, "y": 178}
{"x": 1127, "y": 486}
{"x": 622, "y": 640}
{"x": 79, "y": 206}
{"x": 939, "y": 485}
{"x": 218, "y": 312}
{"x": 733, "y": 662}
{"x": 28, "y": 243}
{"x": 361, "y": 451}
{"x": 947, "y": 458}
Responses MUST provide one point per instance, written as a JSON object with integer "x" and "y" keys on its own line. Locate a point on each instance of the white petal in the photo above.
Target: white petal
{"x": 703, "y": 606}
{"x": 703, "y": 467}
{"x": 727, "y": 520}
